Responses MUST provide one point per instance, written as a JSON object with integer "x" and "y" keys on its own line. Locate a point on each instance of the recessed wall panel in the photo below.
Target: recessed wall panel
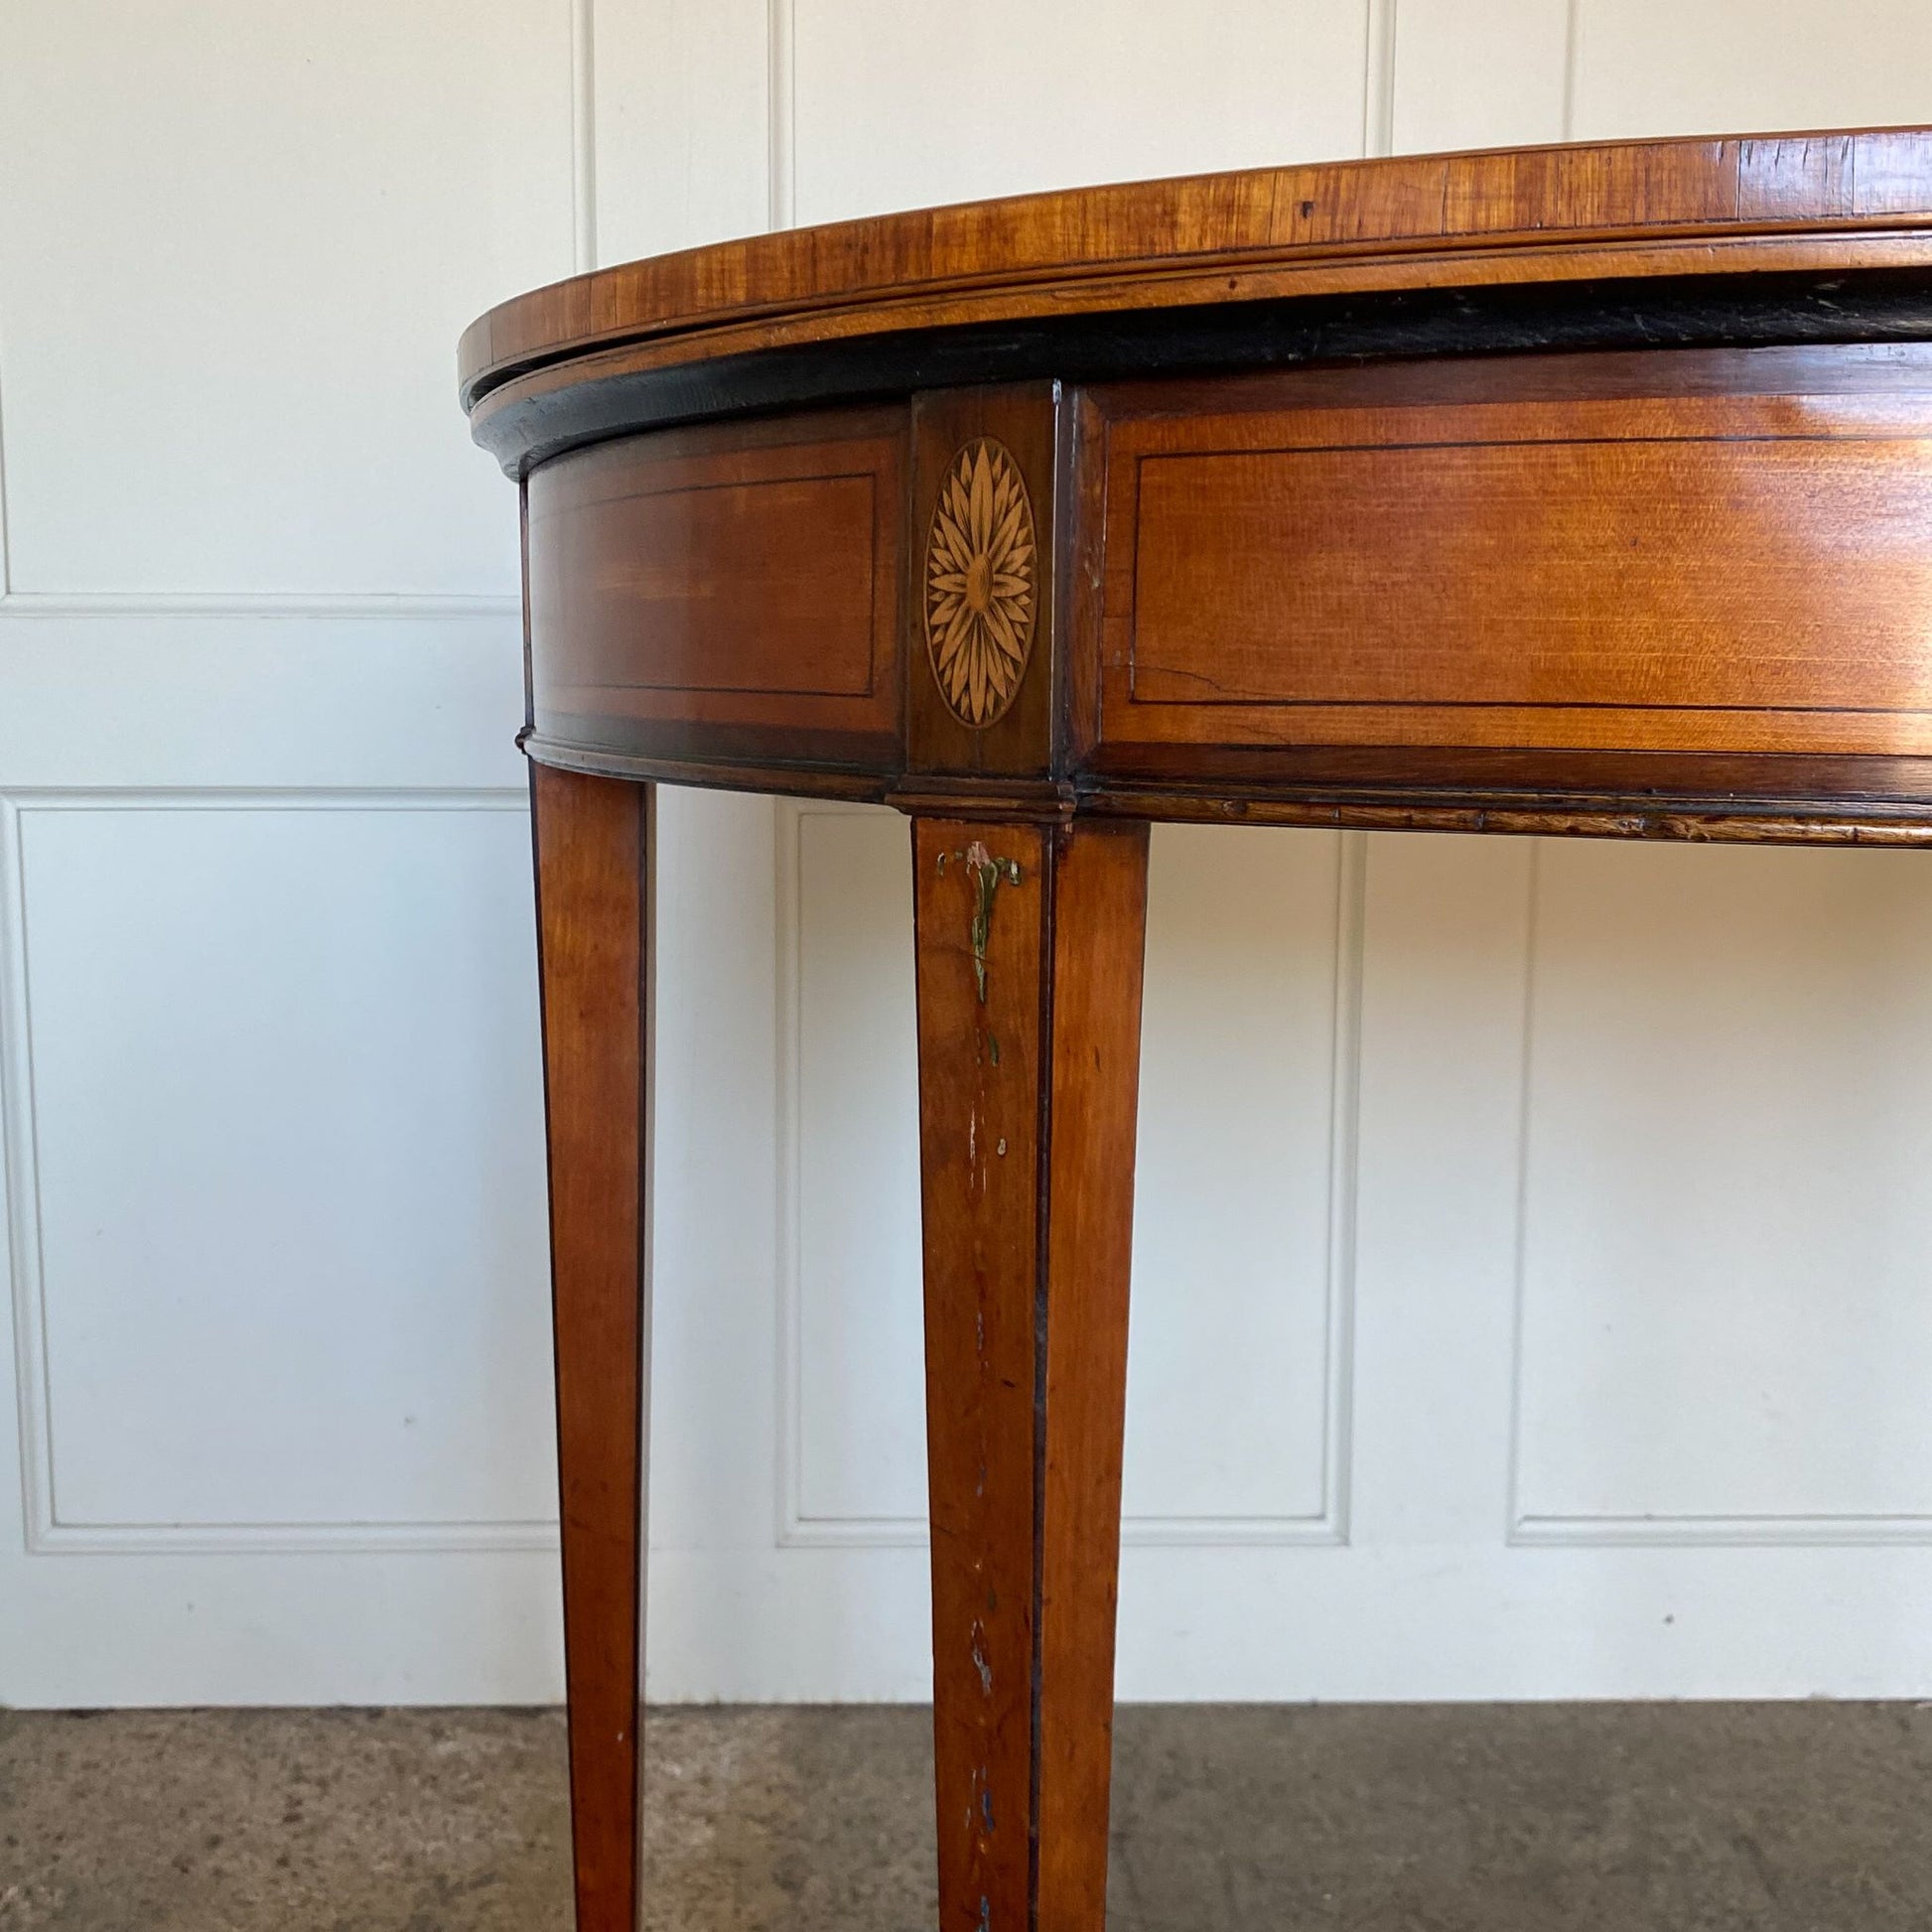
{"x": 287, "y": 1138}
{"x": 1727, "y": 1296}
{"x": 236, "y": 249}
{"x": 1235, "y": 1355}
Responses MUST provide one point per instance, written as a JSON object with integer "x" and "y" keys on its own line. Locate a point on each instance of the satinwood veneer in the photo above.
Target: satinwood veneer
{"x": 1582, "y": 490}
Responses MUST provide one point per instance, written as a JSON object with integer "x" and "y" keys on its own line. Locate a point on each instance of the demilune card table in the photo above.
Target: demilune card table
{"x": 1563, "y": 490}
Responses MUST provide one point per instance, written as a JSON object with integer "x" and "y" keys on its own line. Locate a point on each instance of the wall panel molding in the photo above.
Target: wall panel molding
{"x": 1719, "y": 1532}
{"x": 1327, "y": 1526}
{"x": 205, "y": 497}
{"x": 26, "y": 605}
{"x": 582, "y": 134}
{"x": 6, "y": 553}
{"x": 1687, "y": 1530}
{"x": 781, "y": 133}
{"x": 1572, "y": 40}
{"x": 44, "y": 1533}
{"x": 1379, "y": 56}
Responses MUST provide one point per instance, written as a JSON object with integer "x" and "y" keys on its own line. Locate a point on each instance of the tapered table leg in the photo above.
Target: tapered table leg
{"x": 592, "y": 853}
{"x": 1029, "y": 943}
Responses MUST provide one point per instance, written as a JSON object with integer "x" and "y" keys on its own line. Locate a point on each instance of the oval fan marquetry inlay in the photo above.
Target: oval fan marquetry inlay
{"x": 981, "y": 582}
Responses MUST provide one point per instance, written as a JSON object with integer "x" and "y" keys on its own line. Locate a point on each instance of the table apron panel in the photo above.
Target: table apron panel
{"x": 712, "y": 588}
{"x": 1680, "y": 570}
{"x": 1706, "y": 573}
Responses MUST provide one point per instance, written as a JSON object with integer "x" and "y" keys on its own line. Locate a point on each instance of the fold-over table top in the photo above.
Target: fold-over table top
{"x": 1522, "y": 216}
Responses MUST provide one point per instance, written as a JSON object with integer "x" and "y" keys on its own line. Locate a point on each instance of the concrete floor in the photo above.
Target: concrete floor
{"x": 1781, "y": 1818}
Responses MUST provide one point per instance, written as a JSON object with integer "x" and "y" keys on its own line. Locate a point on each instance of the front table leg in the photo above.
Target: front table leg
{"x": 1029, "y": 943}
{"x": 593, "y": 852}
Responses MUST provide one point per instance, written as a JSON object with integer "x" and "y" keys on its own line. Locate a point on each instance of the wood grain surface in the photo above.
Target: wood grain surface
{"x": 1099, "y": 944}
{"x": 1695, "y": 568}
{"x": 1019, "y": 741}
{"x": 719, "y": 587}
{"x": 1642, "y": 593}
{"x": 1407, "y": 221}
{"x": 1029, "y": 1033}
{"x": 593, "y": 858}
{"x": 1382, "y": 563}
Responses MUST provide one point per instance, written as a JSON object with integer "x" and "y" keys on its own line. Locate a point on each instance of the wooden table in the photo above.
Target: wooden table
{"x": 1578, "y": 489}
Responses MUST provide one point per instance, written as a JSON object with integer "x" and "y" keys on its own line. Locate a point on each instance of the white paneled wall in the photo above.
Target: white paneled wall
{"x": 902, "y": 105}
{"x": 1727, "y": 1194}
{"x": 277, "y": 1425}
{"x": 1531, "y": 1292}
{"x": 258, "y": 1017}
{"x": 1643, "y": 66}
